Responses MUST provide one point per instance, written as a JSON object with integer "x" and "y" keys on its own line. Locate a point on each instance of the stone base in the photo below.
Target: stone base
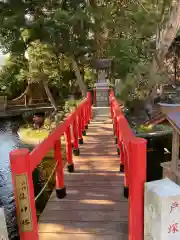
{"x": 103, "y": 85}
{"x": 102, "y": 104}
{"x": 102, "y": 95}
{"x": 101, "y": 113}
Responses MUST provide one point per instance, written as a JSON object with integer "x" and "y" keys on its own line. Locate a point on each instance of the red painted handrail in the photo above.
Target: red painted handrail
{"x": 24, "y": 162}
{"x": 133, "y": 164}
{"x": 94, "y": 96}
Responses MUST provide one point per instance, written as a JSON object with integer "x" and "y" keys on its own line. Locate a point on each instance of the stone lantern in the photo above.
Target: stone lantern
{"x": 103, "y": 66}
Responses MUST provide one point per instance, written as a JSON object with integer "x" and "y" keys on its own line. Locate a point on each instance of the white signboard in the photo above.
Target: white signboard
{"x": 3, "y": 227}
{"x": 162, "y": 210}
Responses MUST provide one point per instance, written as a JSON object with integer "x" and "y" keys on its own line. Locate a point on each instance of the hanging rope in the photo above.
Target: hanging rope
{"x": 42, "y": 190}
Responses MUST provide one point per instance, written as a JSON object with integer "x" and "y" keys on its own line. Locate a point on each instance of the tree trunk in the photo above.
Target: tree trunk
{"x": 48, "y": 92}
{"x": 100, "y": 34}
{"x": 164, "y": 40}
{"x": 79, "y": 78}
{"x": 167, "y": 34}
{"x": 175, "y": 69}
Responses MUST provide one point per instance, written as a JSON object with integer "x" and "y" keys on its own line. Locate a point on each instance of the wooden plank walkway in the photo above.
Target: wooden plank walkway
{"x": 94, "y": 207}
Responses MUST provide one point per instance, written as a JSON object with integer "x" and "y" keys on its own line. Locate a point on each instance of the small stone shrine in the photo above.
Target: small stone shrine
{"x": 172, "y": 169}
{"x": 102, "y": 85}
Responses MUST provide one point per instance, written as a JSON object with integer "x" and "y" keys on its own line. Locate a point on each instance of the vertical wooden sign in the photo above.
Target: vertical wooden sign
{"x": 23, "y": 202}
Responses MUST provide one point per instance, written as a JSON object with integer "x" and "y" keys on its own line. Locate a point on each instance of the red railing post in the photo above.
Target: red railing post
{"x": 69, "y": 150}
{"x": 117, "y": 131}
{"x": 60, "y": 187}
{"x": 120, "y": 145}
{"x": 121, "y": 156}
{"x": 83, "y": 120}
{"x": 87, "y": 114}
{"x": 80, "y": 127}
{"x": 111, "y": 107}
{"x": 137, "y": 179}
{"x": 115, "y": 128}
{"x": 85, "y": 123}
{"x": 89, "y": 107}
{"x": 94, "y": 96}
{"x": 125, "y": 147}
{"x": 114, "y": 117}
{"x": 87, "y": 111}
{"x": 24, "y": 194}
{"x": 75, "y": 137}
{"x": 118, "y": 135}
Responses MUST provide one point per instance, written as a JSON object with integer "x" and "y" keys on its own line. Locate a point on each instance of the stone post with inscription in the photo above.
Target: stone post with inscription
{"x": 162, "y": 210}
{"x": 102, "y": 85}
{"x": 3, "y": 227}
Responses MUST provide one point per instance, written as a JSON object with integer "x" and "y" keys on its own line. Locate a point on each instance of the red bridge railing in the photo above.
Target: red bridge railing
{"x": 24, "y": 162}
{"x": 132, "y": 152}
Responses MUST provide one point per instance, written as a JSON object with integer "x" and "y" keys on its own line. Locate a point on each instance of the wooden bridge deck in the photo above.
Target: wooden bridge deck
{"x": 94, "y": 207}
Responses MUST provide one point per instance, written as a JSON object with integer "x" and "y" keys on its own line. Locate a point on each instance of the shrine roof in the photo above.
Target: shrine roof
{"x": 103, "y": 63}
{"x": 174, "y": 119}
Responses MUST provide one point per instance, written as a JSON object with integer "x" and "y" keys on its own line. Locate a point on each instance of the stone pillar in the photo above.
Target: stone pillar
{"x": 3, "y": 226}
{"x": 162, "y": 210}
{"x": 102, "y": 85}
{"x": 102, "y": 89}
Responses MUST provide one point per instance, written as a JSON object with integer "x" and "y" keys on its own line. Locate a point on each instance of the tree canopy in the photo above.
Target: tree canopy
{"x": 63, "y": 37}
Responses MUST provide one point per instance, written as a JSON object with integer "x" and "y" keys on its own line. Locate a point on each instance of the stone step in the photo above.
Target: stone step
{"x": 102, "y": 104}
{"x": 101, "y": 113}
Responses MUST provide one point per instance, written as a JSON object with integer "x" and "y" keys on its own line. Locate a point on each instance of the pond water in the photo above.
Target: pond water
{"x": 9, "y": 140}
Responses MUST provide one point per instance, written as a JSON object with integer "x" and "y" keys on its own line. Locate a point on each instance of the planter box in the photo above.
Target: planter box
{"x": 156, "y": 142}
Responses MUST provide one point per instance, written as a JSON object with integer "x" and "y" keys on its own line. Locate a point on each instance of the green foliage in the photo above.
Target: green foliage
{"x": 53, "y": 32}
{"x": 152, "y": 128}
{"x": 71, "y": 104}
{"x": 43, "y": 63}
{"x": 89, "y": 77}
{"x": 126, "y": 56}
{"x": 132, "y": 44}
{"x": 12, "y": 79}
{"x": 57, "y": 32}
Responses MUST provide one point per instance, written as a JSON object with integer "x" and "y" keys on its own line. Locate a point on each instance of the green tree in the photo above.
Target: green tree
{"x": 137, "y": 34}
{"x": 64, "y": 25}
{"x": 12, "y": 82}
{"x": 69, "y": 29}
